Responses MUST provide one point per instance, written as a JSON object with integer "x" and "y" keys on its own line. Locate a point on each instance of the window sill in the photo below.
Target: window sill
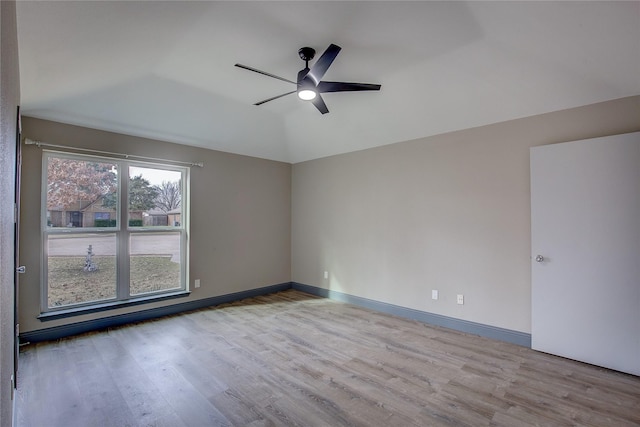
{"x": 96, "y": 308}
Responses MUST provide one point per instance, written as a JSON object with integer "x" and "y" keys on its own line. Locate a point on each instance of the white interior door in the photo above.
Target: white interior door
{"x": 585, "y": 223}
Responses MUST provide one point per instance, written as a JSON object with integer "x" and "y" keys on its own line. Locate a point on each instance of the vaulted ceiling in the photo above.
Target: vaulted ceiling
{"x": 165, "y": 70}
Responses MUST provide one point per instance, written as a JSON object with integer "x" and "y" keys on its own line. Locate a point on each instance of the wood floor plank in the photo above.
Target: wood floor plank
{"x": 56, "y": 398}
{"x": 293, "y": 359}
{"x": 145, "y": 401}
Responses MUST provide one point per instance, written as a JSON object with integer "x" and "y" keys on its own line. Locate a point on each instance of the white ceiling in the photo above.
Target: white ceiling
{"x": 165, "y": 70}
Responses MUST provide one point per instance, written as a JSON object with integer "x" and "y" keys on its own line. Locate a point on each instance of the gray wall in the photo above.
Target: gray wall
{"x": 240, "y": 216}
{"x": 448, "y": 212}
{"x": 9, "y": 98}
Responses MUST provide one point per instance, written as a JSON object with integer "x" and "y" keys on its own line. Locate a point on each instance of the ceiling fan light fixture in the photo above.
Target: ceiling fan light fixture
{"x": 307, "y": 94}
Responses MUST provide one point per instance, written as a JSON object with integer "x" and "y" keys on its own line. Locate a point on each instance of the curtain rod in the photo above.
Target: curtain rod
{"x": 28, "y": 141}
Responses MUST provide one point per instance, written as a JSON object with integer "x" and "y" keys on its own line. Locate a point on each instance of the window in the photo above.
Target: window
{"x": 107, "y": 239}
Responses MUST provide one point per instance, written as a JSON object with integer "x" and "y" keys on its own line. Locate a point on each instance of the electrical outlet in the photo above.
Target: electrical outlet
{"x": 434, "y": 294}
{"x": 326, "y": 274}
{"x": 196, "y": 283}
{"x": 460, "y": 299}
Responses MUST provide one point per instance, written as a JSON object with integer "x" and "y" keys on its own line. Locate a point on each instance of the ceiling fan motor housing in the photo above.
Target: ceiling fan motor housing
{"x": 301, "y": 76}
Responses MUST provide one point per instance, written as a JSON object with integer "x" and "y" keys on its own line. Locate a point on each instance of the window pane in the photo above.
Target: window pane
{"x": 155, "y": 197}
{"x": 81, "y": 193}
{"x": 154, "y": 262}
{"x": 81, "y": 268}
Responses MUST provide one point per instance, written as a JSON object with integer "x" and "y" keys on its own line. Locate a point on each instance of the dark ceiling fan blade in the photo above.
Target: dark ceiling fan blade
{"x": 320, "y": 105}
{"x": 265, "y": 73}
{"x": 323, "y": 63}
{"x": 275, "y": 97}
{"x": 324, "y": 87}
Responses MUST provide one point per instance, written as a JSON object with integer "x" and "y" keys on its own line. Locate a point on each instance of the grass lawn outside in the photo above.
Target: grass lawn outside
{"x": 70, "y": 284}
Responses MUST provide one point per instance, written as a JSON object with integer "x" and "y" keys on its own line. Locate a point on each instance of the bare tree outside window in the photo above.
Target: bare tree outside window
{"x": 169, "y": 195}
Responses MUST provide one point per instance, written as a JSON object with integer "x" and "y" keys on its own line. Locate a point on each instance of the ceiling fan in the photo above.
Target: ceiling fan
{"x": 309, "y": 83}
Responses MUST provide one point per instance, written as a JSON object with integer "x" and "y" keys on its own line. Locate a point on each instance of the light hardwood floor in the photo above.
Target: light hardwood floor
{"x": 294, "y": 359}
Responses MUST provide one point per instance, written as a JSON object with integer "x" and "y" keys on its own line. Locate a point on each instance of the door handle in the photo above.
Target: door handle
{"x": 22, "y": 269}
{"x": 539, "y": 258}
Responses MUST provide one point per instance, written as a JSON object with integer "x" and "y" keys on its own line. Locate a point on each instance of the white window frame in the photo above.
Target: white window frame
{"x": 123, "y": 232}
